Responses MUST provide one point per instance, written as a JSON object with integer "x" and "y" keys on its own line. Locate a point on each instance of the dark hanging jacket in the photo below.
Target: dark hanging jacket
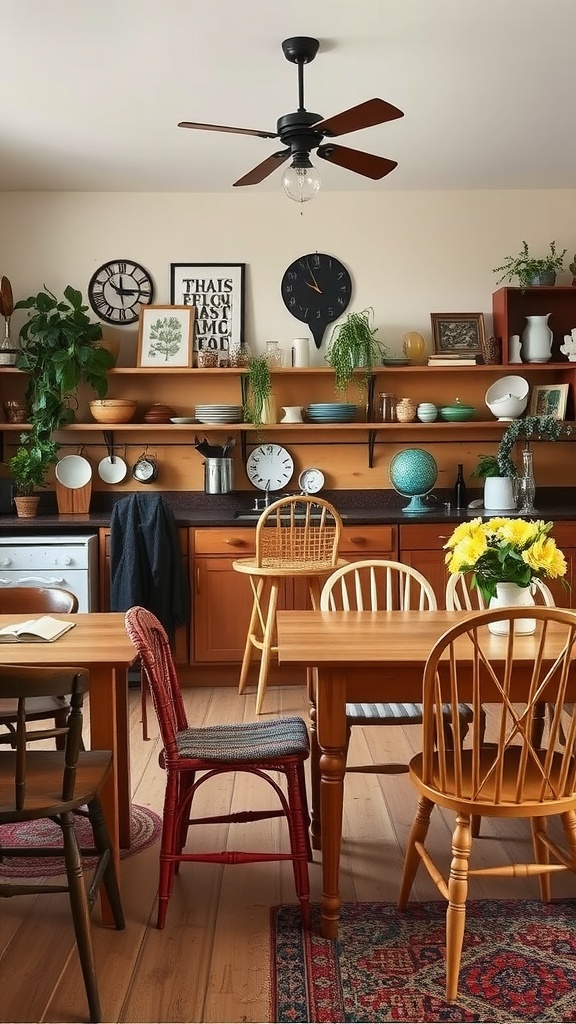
{"x": 146, "y": 565}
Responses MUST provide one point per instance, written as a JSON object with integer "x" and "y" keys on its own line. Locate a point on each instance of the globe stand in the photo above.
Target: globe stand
{"x": 417, "y": 504}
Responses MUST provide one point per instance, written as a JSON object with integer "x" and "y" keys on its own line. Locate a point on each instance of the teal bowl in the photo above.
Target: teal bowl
{"x": 458, "y": 413}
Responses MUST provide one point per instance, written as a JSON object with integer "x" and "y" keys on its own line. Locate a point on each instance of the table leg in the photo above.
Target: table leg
{"x": 315, "y": 820}
{"x": 331, "y": 725}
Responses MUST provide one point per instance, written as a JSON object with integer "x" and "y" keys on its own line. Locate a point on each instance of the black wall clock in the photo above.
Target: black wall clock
{"x": 118, "y": 289}
{"x": 316, "y": 289}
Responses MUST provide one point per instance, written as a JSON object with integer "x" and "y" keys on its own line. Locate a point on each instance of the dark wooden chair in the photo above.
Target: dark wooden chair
{"x": 192, "y": 756}
{"x": 514, "y": 777}
{"x": 38, "y": 784}
{"x": 28, "y": 601}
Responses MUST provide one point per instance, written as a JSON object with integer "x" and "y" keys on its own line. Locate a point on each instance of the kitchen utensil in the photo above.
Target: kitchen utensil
{"x": 112, "y": 471}
{"x": 218, "y": 476}
{"x": 458, "y": 412}
{"x": 73, "y": 485}
{"x": 159, "y": 413}
{"x": 145, "y": 469}
{"x": 113, "y": 410}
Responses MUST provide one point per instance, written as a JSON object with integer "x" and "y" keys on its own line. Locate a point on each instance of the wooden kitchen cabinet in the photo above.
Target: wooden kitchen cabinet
{"x": 422, "y": 547}
{"x": 181, "y": 640}
{"x": 565, "y": 536}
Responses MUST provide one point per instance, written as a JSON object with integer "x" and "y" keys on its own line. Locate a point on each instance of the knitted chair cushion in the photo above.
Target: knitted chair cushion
{"x": 246, "y": 741}
{"x": 400, "y": 714}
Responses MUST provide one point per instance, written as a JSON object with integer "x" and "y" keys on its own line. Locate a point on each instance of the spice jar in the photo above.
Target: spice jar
{"x": 387, "y": 407}
{"x": 405, "y": 410}
{"x": 206, "y": 359}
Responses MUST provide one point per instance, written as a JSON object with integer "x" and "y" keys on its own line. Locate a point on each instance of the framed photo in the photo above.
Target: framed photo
{"x": 458, "y": 333}
{"x": 549, "y": 400}
{"x": 165, "y": 336}
{"x": 217, "y": 292}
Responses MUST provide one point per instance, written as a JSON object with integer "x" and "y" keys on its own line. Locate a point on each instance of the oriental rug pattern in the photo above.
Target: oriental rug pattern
{"x": 146, "y": 829}
{"x": 518, "y": 964}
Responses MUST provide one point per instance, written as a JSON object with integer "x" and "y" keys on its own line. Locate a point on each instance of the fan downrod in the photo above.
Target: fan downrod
{"x": 300, "y": 49}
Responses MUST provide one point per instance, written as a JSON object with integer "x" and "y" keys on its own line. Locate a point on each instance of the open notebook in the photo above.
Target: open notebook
{"x": 38, "y": 631}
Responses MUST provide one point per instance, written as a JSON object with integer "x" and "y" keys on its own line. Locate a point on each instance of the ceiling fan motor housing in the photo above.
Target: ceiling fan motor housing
{"x": 295, "y": 130}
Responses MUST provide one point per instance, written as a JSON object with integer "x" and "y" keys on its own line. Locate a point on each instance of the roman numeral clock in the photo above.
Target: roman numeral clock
{"x": 118, "y": 289}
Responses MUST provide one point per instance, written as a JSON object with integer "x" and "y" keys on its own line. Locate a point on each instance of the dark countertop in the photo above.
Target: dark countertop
{"x": 364, "y": 507}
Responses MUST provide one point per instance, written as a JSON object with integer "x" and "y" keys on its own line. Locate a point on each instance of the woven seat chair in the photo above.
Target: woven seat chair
{"x": 36, "y": 601}
{"x": 41, "y": 785}
{"x": 192, "y": 756}
{"x": 512, "y": 778}
{"x": 295, "y": 536}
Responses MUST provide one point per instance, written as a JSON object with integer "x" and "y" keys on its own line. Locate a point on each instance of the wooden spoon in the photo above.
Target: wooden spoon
{"x": 6, "y": 297}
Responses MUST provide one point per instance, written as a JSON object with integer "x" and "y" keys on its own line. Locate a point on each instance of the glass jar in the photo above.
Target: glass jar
{"x": 273, "y": 354}
{"x": 387, "y": 407}
{"x": 206, "y": 359}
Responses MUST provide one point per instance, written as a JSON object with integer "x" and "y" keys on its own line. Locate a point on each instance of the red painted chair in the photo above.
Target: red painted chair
{"x": 259, "y": 748}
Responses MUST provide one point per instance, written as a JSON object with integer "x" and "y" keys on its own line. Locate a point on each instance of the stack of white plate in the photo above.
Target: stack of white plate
{"x": 331, "y": 412}
{"x": 219, "y": 413}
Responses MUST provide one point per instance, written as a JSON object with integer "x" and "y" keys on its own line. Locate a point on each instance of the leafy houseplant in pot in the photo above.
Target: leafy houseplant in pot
{"x": 28, "y": 468}
{"x": 498, "y": 487}
{"x": 353, "y": 345}
{"x": 532, "y": 270}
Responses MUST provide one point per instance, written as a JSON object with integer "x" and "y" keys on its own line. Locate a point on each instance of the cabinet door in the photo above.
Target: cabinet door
{"x": 356, "y": 543}
{"x": 565, "y": 536}
{"x": 182, "y": 633}
{"x": 422, "y": 547}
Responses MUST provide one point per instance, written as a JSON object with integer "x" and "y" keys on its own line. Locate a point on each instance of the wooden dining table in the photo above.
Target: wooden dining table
{"x": 99, "y": 643}
{"x": 363, "y": 656}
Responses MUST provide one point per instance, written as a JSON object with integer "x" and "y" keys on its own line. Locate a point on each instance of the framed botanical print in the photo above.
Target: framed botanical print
{"x": 549, "y": 400}
{"x": 165, "y": 336}
{"x": 217, "y": 292}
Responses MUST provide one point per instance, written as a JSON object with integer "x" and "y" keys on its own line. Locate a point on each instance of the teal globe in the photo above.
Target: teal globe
{"x": 413, "y": 473}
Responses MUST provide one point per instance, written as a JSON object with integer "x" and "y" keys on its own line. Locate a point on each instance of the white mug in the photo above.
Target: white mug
{"x": 300, "y": 352}
{"x": 292, "y": 414}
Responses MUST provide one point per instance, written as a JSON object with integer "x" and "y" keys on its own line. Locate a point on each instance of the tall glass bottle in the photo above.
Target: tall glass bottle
{"x": 460, "y": 488}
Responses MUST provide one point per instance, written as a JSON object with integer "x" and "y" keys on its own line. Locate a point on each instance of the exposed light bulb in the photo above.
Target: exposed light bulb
{"x": 301, "y": 183}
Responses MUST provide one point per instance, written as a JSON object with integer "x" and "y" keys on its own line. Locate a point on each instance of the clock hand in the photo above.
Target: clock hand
{"x": 315, "y": 285}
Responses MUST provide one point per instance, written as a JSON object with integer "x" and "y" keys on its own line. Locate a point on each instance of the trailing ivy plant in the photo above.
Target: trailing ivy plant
{"x": 256, "y": 389}
{"x": 353, "y": 345}
{"x": 537, "y": 428}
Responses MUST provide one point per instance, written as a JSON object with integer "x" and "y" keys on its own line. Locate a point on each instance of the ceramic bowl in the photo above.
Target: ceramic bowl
{"x": 113, "y": 410}
{"x": 507, "y": 398}
{"x": 459, "y": 412}
{"x": 73, "y": 471}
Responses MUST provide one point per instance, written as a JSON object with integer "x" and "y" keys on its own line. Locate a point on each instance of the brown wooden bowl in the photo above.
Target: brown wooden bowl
{"x": 113, "y": 410}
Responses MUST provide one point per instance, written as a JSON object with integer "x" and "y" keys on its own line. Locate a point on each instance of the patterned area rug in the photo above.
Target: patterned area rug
{"x": 146, "y": 829}
{"x": 518, "y": 964}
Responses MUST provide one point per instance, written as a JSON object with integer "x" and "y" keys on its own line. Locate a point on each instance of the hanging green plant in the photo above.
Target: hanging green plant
{"x": 256, "y": 391}
{"x": 541, "y": 428}
{"x": 352, "y": 346}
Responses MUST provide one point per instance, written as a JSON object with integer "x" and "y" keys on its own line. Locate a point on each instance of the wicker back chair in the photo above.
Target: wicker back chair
{"x": 509, "y": 778}
{"x": 295, "y": 536}
{"x": 193, "y": 756}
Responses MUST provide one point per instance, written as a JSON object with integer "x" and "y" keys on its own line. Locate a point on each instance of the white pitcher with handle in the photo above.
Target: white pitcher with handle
{"x": 300, "y": 351}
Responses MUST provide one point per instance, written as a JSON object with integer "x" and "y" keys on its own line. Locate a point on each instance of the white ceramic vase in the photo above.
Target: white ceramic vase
{"x": 499, "y": 493}
{"x": 509, "y": 595}
{"x": 292, "y": 414}
{"x": 537, "y": 339}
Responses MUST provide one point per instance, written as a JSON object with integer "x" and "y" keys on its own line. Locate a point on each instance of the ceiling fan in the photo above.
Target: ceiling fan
{"x": 302, "y": 132}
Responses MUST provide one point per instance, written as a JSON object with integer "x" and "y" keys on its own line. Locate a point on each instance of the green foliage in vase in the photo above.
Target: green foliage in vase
{"x": 538, "y": 428}
{"x": 526, "y": 267}
{"x": 31, "y": 462}
{"x": 353, "y": 345}
{"x": 257, "y": 390}
{"x": 488, "y": 465}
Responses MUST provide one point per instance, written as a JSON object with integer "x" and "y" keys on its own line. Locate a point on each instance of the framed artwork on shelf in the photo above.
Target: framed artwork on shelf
{"x": 458, "y": 333}
{"x": 217, "y": 292}
{"x": 549, "y": 400}
{"x": 165, "y": 335}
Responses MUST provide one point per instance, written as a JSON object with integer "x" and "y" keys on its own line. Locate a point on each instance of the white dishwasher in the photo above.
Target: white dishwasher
{"x": 69, "y": 562}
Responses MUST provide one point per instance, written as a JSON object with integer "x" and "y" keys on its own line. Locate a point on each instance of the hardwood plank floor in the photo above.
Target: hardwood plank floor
{"x": 211, "y": 962}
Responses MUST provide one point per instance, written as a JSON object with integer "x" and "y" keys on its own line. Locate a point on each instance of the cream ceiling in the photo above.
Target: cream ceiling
{"x": 91, "y": 91}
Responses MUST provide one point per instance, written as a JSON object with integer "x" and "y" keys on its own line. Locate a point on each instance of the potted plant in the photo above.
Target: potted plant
{"x": 531, "y": 270}
{"x": 28, "y": 468}
{"x": 498, "y": 486}
{"x": 256, "y": 391}
{"x": 60, "y": 351}
{"x": 353, "y": 345}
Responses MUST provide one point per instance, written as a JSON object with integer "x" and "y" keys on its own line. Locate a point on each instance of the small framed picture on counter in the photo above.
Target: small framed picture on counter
{"x": 217, "y": 292}
{"x": 458, "y": 333}
{"x": 549, "y": 400}
{"x": 165, "y": 336}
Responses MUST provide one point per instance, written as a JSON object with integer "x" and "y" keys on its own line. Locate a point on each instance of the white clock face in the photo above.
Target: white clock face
{"x": 269, "y": 467}
{"x": 311, "y": 480}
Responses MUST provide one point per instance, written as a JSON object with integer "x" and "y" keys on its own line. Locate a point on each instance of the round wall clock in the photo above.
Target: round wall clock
{"x": 311, "y": 480}
{"x": 269, "y": 467}
{"x": 316, "y": 289}
{"x": 117, "y": 290}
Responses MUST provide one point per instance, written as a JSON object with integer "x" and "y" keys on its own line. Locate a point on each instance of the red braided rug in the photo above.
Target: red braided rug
{"x": 518, "y": 964}
{"x": 146, "y": 829}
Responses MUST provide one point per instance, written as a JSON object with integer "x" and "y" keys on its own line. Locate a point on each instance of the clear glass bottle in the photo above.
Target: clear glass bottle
{"x": 526, "y": 483}
{"x": 460, "y": 500}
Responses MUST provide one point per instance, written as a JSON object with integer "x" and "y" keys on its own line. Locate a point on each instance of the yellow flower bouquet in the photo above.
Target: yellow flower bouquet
{"x": 504, "y": 551}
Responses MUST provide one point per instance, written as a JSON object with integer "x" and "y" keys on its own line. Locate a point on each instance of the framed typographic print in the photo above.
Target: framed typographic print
{"x": 217, "y": 292}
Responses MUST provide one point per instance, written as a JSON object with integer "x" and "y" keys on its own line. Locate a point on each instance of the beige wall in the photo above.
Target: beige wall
{"x": 409, "y": 254}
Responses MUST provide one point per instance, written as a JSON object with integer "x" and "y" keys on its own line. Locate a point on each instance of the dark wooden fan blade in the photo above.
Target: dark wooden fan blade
{"x": 264, "y": 169}
{"x": 362, "y": 116}
{"x": 223, "y": 128}
{"x": 354, "y": 160}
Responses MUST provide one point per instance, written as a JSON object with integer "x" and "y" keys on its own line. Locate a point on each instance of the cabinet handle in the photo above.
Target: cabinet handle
{"x": 357, "y": 540}
{"x": 236, "y": 543}
{"x": 197, "y": 579}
